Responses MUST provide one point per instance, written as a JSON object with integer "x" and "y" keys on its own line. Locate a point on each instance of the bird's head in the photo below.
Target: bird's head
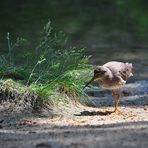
{"x": 99, "y": 73}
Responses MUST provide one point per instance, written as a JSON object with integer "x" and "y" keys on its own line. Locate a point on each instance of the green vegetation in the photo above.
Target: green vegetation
{"x": 52, "y": 69}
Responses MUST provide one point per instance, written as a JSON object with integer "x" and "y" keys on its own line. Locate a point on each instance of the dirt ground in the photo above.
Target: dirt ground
{"x": 81, "y": 126}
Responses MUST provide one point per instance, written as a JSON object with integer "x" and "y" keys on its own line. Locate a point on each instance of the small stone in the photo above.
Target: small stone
{"x": 1, "y": 121}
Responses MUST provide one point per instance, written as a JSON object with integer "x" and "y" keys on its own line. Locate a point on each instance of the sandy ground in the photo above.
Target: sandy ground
{"x": 81, "y": 126}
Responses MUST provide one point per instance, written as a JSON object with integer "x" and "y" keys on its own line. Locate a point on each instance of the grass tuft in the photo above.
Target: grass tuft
{"x": 52, "y": 69}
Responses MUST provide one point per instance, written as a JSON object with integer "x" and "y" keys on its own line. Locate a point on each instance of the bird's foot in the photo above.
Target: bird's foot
{"x": 115, "y": 112}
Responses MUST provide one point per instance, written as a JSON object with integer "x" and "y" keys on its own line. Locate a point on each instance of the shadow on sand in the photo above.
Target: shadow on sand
{"x": 93, "y": 113}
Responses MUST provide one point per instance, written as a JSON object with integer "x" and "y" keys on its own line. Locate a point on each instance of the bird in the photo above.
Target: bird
{"x": 113, "y": 75}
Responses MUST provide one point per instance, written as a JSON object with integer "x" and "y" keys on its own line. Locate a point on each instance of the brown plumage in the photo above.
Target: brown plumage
{"x": 112, "y": 75}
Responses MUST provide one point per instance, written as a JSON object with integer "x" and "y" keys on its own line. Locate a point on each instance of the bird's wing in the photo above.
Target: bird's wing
{"x": 120, "y": 69}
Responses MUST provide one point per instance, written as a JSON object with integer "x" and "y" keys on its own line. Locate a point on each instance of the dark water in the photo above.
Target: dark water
{"x": 109, "y": 30}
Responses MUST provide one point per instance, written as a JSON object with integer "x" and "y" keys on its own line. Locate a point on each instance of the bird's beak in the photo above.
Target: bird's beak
{"x": 93, "y": 79}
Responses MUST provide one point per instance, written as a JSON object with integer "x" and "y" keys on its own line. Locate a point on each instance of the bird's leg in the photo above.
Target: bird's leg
{"x": 114, "y": 95}
{"x": 116, "y": 99}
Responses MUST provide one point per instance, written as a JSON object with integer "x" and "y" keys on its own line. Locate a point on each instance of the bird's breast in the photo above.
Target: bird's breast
{"x": 113, "y": 83}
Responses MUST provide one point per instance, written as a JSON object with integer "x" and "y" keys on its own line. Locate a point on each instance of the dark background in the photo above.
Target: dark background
{"x": 108, "y": 29}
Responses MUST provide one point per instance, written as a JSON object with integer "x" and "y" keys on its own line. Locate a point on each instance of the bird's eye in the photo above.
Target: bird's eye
{"x": 96, "y": 71}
